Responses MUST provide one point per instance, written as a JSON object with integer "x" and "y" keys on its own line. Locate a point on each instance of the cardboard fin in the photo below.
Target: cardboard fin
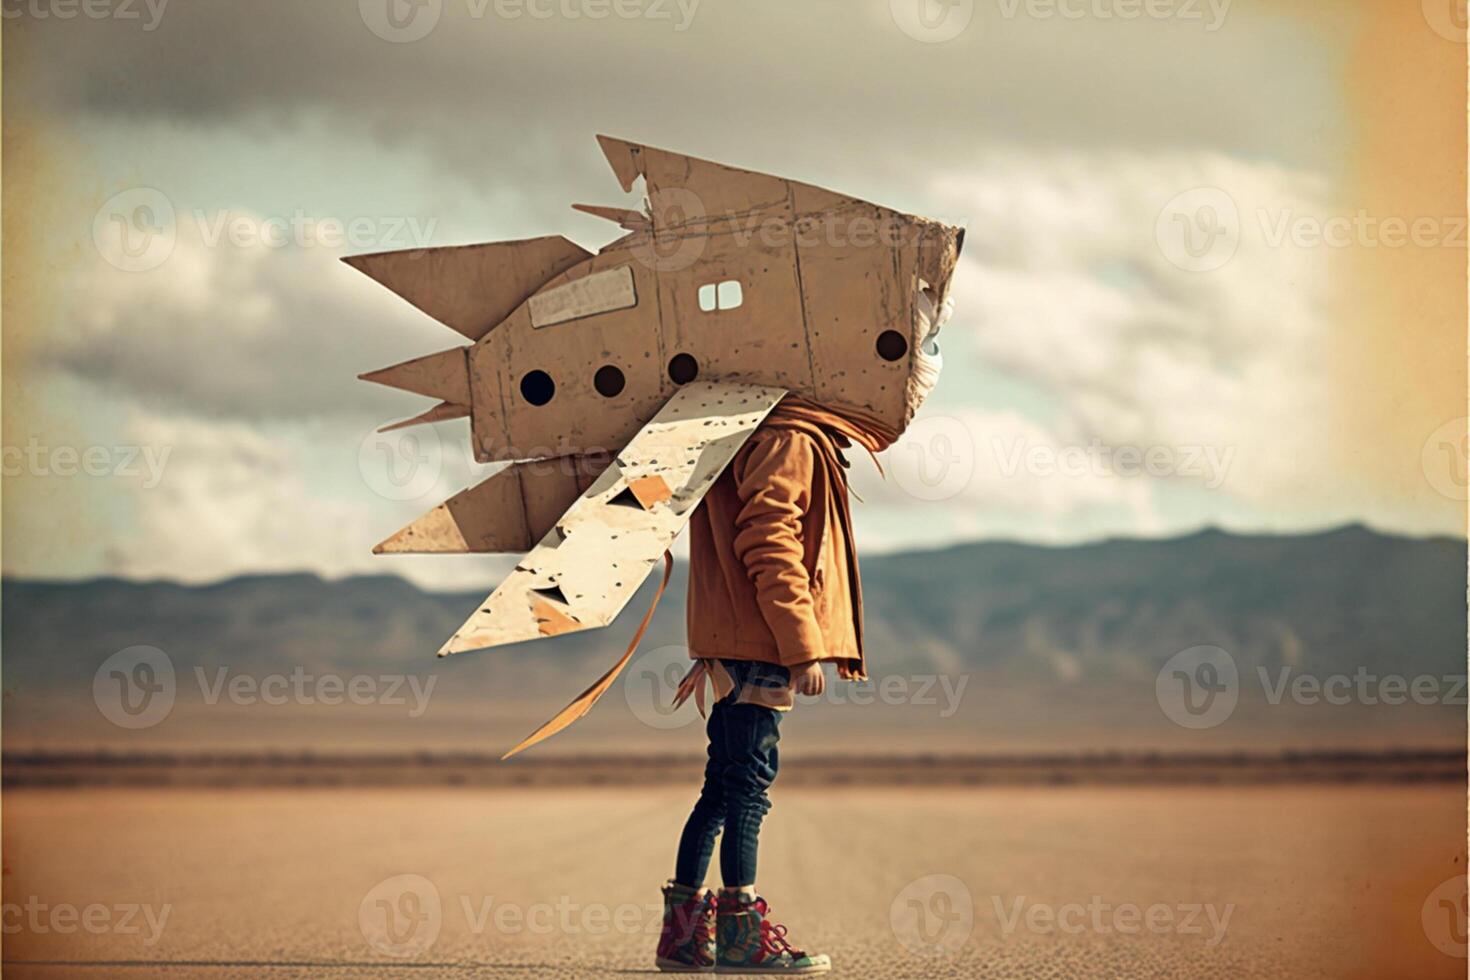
{"x": 445, "y": 375}
{"x": 599, "y": 552}
{"x": 439, "y": 413}
{"x": 624, "y": 158}
{"x": 471, "y": 288}
{"x": 622, "y": 217}
{"x": 498, "y": 514}
{"x": 717, "y": 188}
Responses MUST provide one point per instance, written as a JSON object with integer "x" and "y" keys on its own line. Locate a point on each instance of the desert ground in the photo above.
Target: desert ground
{"x": 1227, "y": 881}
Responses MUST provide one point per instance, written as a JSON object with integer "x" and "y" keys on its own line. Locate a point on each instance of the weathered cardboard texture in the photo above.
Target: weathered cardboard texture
{"x": 824, "y": 275}
{"x": 471, "y": 288}
{"x": 592, "y": 560}
{"x": 507, "y": 512}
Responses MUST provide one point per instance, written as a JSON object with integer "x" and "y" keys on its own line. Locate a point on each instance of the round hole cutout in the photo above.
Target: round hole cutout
{"x": 683, "y": 369}
{"x": 537, "y": 387}
{"x": 891, "y": 345}
{"x": 609, "y": 381}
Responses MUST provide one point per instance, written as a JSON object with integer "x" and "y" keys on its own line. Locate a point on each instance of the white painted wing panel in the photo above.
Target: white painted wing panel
{"x": 588, "y": 566}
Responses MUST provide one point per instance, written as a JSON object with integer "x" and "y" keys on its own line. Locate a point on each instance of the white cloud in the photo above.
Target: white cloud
{"x": 230, "y": 325}
{"x": 957, "y": 475}
{"x": 1067, "y": 287}
{"x": 237, "y": 498}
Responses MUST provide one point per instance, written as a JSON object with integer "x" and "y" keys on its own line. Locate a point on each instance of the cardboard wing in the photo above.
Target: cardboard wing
{"x": 590, "y": 562}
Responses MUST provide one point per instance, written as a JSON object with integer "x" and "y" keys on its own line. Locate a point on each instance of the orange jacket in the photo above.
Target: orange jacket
{"x": 773, "y": 572}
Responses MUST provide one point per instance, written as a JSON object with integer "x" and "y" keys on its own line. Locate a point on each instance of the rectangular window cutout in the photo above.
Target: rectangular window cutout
{"x": 599, "y": 292}
{"x": 724, "y": 295}
{"x": 730, "y": 295}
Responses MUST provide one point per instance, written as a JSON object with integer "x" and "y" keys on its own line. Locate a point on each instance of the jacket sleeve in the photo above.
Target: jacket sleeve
{"x": 773, "y": 477}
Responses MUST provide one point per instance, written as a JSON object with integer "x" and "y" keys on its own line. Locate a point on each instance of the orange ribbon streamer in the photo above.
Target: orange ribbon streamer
{"x": 583, "y": 702}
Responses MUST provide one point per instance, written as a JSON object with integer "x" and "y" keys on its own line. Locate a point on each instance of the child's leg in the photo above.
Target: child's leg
{"x": 697, "y": 842}
{"x": 687, "y": 941}
{"x": 751, "y": 732}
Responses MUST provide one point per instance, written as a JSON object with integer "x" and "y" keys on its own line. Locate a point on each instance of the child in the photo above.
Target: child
{"x": 773, "y": 593}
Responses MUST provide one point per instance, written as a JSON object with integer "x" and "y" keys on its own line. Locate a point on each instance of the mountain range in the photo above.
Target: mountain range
{"x": 988, "y": 646}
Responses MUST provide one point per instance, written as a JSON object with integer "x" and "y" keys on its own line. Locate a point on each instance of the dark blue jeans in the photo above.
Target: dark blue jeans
{"x": 742, "y": 765}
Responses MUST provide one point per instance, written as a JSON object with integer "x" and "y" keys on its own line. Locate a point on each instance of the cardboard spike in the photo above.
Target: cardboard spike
{"x": 718, "y": 188}
{"x": 444, "y": 375}
{"x": 441, "y": 412}
{"x": 508, "y": 511}
{"x": 471, "y": 288}
{"x": 622, "y": 217}
{"x": 622, "y": 156}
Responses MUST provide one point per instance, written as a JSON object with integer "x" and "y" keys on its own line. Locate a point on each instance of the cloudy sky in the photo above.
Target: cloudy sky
{"x": 1213, "y": 273}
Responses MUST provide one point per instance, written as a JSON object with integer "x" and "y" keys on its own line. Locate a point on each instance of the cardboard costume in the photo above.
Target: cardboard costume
{"x": 620, "y": 385}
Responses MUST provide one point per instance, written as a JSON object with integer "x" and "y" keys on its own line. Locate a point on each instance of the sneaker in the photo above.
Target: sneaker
{"x": 687, "y": 942}
{"x": 749, "y": 942}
